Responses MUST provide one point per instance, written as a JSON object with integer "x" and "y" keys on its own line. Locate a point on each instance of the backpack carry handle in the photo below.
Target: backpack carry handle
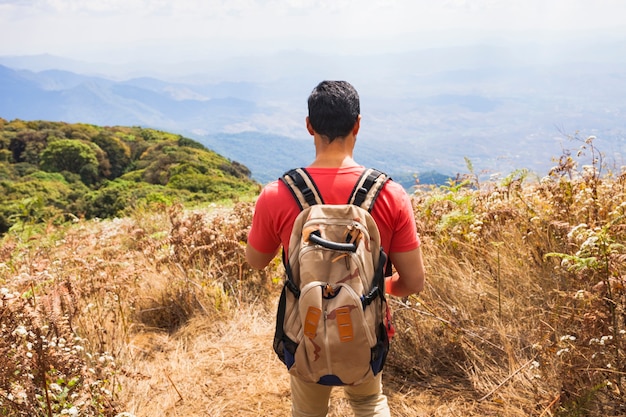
{"x": 316, "y": 237}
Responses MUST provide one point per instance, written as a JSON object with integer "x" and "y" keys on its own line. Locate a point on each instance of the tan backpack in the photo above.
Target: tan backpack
{"x": 332, "y": 325}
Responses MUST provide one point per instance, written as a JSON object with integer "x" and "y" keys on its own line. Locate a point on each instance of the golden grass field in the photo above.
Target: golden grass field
{"x": 157, "y": 314}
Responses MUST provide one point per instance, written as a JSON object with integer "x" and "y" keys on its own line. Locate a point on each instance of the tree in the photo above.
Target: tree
{"x": 73, "y": 156}
{"x": 117, "y": 152}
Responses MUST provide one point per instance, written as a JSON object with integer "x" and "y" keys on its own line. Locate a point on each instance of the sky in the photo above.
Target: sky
{"x": 179, "y": 30}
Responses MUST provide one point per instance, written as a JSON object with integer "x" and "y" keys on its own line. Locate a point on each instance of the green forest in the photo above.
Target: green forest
{"x": 55, "y": 172}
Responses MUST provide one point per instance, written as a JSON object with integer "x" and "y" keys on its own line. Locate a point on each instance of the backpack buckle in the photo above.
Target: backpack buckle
{"x": 309, "y": 196}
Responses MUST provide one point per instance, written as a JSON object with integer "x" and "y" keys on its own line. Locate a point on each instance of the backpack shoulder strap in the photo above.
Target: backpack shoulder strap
{"x": 364, "y": 195}
{"x": 302, "y": 187}
{"x": 367, "y": 188}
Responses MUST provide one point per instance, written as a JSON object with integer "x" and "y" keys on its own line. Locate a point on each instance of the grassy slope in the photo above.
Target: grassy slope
{"x": 197, "y": 354}
{"x": 177, "y": 324}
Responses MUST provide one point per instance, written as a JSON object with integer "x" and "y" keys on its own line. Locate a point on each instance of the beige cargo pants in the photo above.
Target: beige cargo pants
{"x": 311, "y": 400}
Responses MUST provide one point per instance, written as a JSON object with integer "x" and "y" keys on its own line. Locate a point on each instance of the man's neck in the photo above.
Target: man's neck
{"x": 337, "y": 154}
{"x": 339, "y": 161}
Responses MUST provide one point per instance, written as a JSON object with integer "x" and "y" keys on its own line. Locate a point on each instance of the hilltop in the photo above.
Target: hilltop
{"x": 53, "y": 171}
{"x": 157, "y": 312}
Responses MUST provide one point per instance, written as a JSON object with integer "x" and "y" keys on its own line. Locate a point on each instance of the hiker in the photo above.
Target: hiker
{"x": 334, "y": 121}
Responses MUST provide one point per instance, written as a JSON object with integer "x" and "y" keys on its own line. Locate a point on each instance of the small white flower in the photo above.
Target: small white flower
{"x": 20, "y": 331}
{"x": 70, "y": 411}
{"x": 576, "y": 229}
{"x": 562, "y": 351}
{"x": 605, "y": 339}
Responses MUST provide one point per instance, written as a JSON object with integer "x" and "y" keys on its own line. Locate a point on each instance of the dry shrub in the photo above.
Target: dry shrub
{"x": 101, "y": 286}
{"x": 502, "y": 322}
{"x": 213, "y": 250}
{"x": 45, "y": 368}
{"x": 459, "y": 339}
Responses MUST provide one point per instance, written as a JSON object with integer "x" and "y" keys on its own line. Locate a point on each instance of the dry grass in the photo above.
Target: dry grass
{"x": 158, "y": 314}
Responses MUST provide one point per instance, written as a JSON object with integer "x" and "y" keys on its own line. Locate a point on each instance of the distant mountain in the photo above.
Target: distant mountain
{"x": 269, "y": 156}
{"x": 45, "y": 62}
{"x": 423, "y": 111}
{"x": 64, "y": 96}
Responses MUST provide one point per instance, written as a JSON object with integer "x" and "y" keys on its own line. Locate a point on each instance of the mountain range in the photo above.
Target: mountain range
{"x": 424, "y": 111}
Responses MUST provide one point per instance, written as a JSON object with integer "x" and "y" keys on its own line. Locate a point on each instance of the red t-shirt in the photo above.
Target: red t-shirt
{"x": 276, "y": 210}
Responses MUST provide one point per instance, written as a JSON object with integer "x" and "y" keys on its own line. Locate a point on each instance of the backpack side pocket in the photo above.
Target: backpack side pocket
{"x": 285, "y": 344}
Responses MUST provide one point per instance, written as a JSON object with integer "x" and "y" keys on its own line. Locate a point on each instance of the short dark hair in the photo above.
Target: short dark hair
{"x": 334, "y": 108}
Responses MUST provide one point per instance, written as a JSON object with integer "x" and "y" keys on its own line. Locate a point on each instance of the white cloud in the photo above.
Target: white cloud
{"x": 81, "y": 26}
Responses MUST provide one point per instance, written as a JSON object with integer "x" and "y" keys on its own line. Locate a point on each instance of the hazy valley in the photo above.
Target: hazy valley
{"x": 503, "y": 108}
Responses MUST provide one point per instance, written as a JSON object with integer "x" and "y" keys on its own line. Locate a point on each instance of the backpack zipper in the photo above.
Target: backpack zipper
{"x": 326, "y": 349}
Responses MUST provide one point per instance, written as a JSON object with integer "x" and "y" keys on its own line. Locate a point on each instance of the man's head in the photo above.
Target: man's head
{"x": 333, "y": 109}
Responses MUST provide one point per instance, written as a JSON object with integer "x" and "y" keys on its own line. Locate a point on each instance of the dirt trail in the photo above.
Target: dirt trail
{"x": 228, "y": 368}
{"x": 211, "y": 369}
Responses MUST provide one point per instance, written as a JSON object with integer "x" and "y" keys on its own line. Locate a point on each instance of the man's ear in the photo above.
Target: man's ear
{"x": 309, "y": 127}
{"x": 357, "y": 126}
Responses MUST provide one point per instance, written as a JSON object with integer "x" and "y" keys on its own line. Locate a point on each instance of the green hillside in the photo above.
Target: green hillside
{"x": 53, "y": 171}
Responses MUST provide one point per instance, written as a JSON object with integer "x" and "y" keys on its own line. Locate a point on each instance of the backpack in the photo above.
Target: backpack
{"x": 332, "y": 322}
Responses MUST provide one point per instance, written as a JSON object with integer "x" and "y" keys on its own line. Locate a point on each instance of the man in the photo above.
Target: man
{"x": 334, "y": 120}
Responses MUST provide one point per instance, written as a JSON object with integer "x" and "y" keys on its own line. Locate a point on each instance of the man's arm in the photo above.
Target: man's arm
{"x": 410, "y": 275}
{"x": 258, "y": 260}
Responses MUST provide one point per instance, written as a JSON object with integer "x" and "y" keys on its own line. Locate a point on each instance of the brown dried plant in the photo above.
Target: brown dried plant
{"x": 523, "y": 312}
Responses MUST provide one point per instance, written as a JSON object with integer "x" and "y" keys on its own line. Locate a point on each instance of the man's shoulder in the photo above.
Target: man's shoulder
{"x": 394, "y": 188}
{"x": 271, "y": 188}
